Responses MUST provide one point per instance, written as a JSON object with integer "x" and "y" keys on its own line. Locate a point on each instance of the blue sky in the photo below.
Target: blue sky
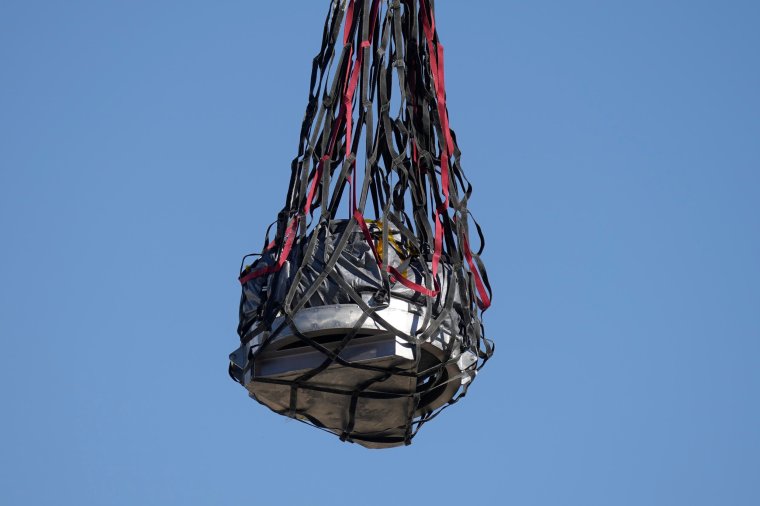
{"x": 145, "y": 146}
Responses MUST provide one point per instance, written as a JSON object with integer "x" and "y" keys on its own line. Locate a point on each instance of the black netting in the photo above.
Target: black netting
{"x": 369, "y": 327}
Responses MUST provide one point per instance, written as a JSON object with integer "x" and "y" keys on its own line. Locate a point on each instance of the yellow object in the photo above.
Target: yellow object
{"x": 391, "y": 240}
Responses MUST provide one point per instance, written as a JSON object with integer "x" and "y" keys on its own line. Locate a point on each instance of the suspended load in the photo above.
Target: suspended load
{"x": 362, "y": 316}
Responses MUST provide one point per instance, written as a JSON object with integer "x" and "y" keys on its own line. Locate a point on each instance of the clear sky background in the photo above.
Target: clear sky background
{"x": 615, "y": 152}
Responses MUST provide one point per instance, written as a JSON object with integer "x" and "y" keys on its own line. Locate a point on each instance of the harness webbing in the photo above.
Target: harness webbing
{"x": 377, "y": 100}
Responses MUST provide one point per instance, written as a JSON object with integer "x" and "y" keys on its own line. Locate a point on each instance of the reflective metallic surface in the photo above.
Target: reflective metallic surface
{"x": 388, "y": 399}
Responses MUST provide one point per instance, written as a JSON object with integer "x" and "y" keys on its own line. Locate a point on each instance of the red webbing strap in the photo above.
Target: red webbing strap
{"x": 438, "y": 241}
{"x": 349, "y": 22}
{"x": 350, "y": 90}
{"x": 392, "y": 270}
{"x": 348, "y": 111}
{"x": 435, "y": 48}
{"x": 345, "y": 117}
{"x": 290, "y": 235}
{"x": 436, "y": 63}
{"x": 485, "y": 301}
{"x": 314, "y": 183}
{"x": 331, "y": 147}
{"x": 420, "y": 134}
{"x": 367, "y": 235}
{"x": 353, "y": 81}
{"x": 320, "y": 167}
{"x": 397, "y": 276}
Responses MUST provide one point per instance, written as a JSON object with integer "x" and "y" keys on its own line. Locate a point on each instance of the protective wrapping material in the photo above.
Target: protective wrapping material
{"x": 355, "y": 266}
{"x": 368, "y": 328}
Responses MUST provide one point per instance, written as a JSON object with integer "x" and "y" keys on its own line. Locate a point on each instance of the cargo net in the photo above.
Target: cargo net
{"x": 362, "y": 316}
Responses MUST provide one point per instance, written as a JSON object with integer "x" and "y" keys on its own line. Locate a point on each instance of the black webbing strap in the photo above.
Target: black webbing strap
{"x": 403, "y": 165}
